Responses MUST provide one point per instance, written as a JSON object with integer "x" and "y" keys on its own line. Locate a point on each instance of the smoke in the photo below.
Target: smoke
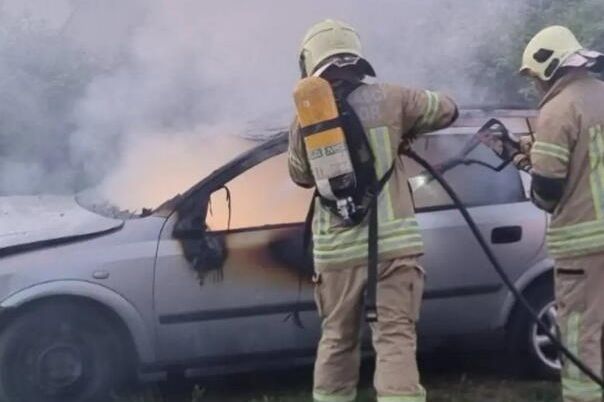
{"x": 132, "y": 95}
{"x": 156, "y": 169}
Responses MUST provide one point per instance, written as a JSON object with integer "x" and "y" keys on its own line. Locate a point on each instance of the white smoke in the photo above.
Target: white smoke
{"x": 90, "y": 89}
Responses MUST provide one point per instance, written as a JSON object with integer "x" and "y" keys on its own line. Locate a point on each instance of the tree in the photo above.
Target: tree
{"x": 500, "y": 57}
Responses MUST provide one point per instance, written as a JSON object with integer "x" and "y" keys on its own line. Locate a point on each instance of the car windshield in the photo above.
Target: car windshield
{"x": 93, "y": 200}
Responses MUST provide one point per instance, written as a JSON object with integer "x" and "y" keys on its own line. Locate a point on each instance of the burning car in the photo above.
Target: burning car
{"x": 208, "y": 281}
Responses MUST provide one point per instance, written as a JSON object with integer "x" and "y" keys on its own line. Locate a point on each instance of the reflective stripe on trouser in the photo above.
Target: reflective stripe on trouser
{"x": 339, "y": 297}
{"x": 321, "y": 397}
{"x": 581, "y": 317}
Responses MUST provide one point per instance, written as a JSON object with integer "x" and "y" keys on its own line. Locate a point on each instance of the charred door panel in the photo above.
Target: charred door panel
{"x": 228, "y": 288}
{"x": 238, "y": 306}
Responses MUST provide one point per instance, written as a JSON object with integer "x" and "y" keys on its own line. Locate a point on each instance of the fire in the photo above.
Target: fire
{"x": 158, "y": 167}
{"x": 264, "y": 195}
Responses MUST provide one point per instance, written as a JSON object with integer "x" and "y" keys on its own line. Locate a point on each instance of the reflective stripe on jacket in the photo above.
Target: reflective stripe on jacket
{"x": 569, "y": 144}
{"x": 391, "y": 116}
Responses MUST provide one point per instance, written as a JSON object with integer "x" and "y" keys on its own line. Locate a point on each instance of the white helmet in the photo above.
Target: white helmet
{"x": 331, "y": 42}
{"x": 549, "y": 50}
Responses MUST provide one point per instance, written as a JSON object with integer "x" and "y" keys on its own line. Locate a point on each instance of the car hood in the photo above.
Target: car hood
{"x": 28, "y": 222}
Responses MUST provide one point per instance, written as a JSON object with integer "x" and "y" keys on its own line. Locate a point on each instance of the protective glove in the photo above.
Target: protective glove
{"x": 522, "y": 162}
{"x": 522, "y": 158}
{"x": 525, "y": 143}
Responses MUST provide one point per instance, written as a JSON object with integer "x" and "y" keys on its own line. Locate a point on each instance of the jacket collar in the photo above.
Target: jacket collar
{"x": 562, "y": 83}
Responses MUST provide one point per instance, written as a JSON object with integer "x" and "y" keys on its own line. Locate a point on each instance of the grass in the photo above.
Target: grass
{"x": 492, "y": 390}
{"x": 278, "y": 387}
{"x": 450, "y": 378}
{"x": 474, "y": 391}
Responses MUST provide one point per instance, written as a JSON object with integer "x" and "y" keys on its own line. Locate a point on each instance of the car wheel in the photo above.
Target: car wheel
{"x": 58, "y": 352}
{"x": 545, "y": 355}
{"x": 536, "y": 350}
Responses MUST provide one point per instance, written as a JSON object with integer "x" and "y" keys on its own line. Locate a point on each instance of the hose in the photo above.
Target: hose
{"x": 498, "y": 268}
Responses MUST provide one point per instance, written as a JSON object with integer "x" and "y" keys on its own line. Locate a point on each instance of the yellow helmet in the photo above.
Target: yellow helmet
{"x": 331, "y": 41}
{"x": 548, "y": 50}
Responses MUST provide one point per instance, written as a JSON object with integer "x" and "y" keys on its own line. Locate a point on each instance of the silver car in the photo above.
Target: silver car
{"x": 209, "y": 281}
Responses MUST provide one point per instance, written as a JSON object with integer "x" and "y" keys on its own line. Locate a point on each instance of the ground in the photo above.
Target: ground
{"x": 450, "y": 379}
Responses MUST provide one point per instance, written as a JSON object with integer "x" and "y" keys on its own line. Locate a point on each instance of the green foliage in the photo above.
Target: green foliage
{"x": 500, "y": 55}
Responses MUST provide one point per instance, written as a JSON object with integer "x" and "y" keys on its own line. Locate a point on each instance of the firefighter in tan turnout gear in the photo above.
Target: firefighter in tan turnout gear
{"x": 566, "y": 162}
{"x": 388, "y": 117}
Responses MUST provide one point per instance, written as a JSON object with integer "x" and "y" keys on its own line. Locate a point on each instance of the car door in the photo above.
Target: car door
{"x": 463, "y": 292}
{"x": 226, "y": 289}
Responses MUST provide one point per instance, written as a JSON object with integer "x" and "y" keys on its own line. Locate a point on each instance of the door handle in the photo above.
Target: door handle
{"x": 506, "y": 234}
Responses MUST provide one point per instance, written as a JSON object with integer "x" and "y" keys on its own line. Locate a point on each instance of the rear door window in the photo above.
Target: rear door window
{"x": 475, "y": 184}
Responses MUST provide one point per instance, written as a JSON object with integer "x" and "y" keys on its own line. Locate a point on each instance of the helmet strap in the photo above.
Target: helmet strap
{"x": 302, "y": 65}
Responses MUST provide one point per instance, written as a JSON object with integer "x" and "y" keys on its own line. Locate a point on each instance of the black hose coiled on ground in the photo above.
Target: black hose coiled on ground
{"x": 504, "y": 277}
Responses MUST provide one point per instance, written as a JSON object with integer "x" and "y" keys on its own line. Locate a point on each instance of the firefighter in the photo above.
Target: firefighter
{"x": 566, "y": 162}
{"x": 392, "y": 117}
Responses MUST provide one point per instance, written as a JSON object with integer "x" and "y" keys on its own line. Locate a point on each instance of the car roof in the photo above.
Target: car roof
{"x": 465, "y": 113}
{"x": 517, "y": 120}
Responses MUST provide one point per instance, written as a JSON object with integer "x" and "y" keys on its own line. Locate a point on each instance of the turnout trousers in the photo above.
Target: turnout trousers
{"x": 580, "y": 299}
{"x": 339, "y": 296}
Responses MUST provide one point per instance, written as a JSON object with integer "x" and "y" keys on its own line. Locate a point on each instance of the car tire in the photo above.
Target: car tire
{"x": 59, "y": 352}
{"x": 536, "y": 352}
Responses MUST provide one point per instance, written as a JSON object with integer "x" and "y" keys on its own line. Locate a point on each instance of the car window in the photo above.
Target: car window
{"x": 262, "y": 195}
{"x": 475, "y": 184}
{"x": 265, "y": 195}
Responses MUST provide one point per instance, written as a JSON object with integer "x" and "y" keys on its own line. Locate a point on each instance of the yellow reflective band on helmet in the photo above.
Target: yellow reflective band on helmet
{"x": 549, "y": 149}
{"x": 573, "y": 239}
{"x": 321, "y": 397}
{"x": 596, "y": 163}
{"x": 581, "y": 390}
{"x": 431, "y": 109}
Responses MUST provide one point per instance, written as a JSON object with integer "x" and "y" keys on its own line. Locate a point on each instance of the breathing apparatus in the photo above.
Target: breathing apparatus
{"x": 342, "y": 165}
{"x": 496, "y": 137}
{"x": 338, "y": 152}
